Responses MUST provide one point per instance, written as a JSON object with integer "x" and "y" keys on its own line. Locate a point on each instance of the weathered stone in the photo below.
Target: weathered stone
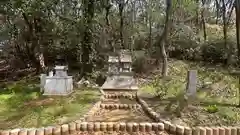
{"x": 233, "y": 131}
{"x": 24, "y": 132}
{"x": 106, "y": 106}
{"x": 97, "y": 126}
{"x": 148, "y": 127}
{"x": 167, "y": 125}
{"x": 155, "y": 116}
{"x": 14, "y": 132}
{"x": 227, "y": 130}
{"x": 103, "y": 126}
{"x": 116, "y": 106}
{"x": 238, "y": 131}
{"x": 102, "y": 106}
{"x": 78, "y": 125}
{"x": 83, "y": 126}
{"x": 111, "y": 106}
{"x": 202, "y": 131}
{"x": 192, "y": 83}
{"x": 154, "y": 126}
{"x": 196, "y": 131}
{"x": 48, "y": 131}
{"x": 187, "y": 131}
{"x": 65, "y": 129}
{"x": 5, "y": 132}
{"x": 72, "y": 127}
{"x": 121, "y": 106}
{"x": 135, "y": 127}
{"x": 160, "y": 126}
{"x": 90, "y": 126}
{"x": 110, "y": 126}
{"x": 221, "y": 131}
{"x": 116, "y": 127}
{"x": 142, "y": 127}
{"x": 179, "y": 130}
{"x": 56, "y": 130}
{"x": 215, "y": 130}
{"x": 126, "y": 106}
{"x": 123, "y": 127}
{"x": 209, "y": 131}
{"x": 172, "y": 128}
{"x": 130, "y": 127}
{"x": 40, "y": 131}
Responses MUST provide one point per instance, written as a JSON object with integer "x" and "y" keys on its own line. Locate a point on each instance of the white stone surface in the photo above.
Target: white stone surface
{"x": 120, "y": 83}
{"x": 58, "y": 85}
{"x": 42, "y": 81}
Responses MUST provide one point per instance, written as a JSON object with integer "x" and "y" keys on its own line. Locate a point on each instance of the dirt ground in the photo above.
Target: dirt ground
{"x": 192, "y": 115}
{"x": 119, "y": 115}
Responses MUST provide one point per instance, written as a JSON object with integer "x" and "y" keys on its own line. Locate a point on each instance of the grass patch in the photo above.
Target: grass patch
{"x": 22, "y": 105}
{"x": 215, "y": 103}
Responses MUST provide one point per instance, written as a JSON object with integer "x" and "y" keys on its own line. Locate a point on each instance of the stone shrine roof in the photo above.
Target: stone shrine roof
{"x": 125, "y": 56}
{"x": 60, "y": 68}
{"x": 113, "y": 59}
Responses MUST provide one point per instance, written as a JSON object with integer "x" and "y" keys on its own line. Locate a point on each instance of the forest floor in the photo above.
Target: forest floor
{"x": 22, "y": 105}
{"x": 216, "y": 101}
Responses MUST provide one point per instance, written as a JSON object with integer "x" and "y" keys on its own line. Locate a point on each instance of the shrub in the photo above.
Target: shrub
{"x": 139, "y": 64}
{"x": 160, "y": 86}
{"x": 212, "y": 109}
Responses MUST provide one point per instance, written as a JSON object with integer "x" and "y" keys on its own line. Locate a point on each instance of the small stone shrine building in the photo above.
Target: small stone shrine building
{"x": 59, "y": 83}
{"x": 120, "y": 76}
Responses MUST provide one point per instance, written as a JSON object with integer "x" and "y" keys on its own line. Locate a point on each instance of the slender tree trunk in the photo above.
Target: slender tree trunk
{"x": 203, "y": 20}
{"x": 108, "y": 29}
{"x": 150, "y": 31}
{"x": 225, "y": 32}
{"x": 121, "y": 7}
{"x": 217, "y": 10}
{"x": 165, "y": 38}
{"x": 87, "y": 38}
{"x": 197, "y": 20}
{"x": 237, "y": 11}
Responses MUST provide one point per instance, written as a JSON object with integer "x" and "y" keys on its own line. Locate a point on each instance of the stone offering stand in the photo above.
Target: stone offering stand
{"x": 155, "y": 127}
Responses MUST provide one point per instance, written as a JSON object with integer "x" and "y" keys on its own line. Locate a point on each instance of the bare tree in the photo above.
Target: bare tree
{"x": 165, "y": 38}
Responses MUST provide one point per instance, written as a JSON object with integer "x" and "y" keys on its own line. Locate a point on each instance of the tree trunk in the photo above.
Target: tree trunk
{"x": 107, "y": 30}
{"x": 165, "y": 37}
{"x": 203, "y": 20}
{"x": 237, "y": 11}
{"x": 150, "y": 31}
{"x": 197, "y": 20}
{"x": 225, "y": 32}
{"x": 87, "y": 38}
{"x": 217, "y": 10}
{"x": 121, "y": 6}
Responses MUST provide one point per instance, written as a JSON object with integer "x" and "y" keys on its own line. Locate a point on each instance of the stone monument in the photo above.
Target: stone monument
{"x": 59, "y": 83}
{"x": 121, "y": 77}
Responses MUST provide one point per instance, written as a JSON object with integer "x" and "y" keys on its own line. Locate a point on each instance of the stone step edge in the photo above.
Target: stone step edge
{"x": 119, "y": 95}
{"x": 120, "y": 106}
{"x": 73, "y": 127}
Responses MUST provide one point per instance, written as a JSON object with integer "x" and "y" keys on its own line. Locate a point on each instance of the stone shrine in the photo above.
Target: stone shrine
{"x": 59, "y": 83}
{"x": 120, "y": 73}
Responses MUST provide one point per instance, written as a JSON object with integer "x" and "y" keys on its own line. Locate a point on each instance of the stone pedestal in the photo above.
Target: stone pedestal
{"x": 58, "y": 85}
